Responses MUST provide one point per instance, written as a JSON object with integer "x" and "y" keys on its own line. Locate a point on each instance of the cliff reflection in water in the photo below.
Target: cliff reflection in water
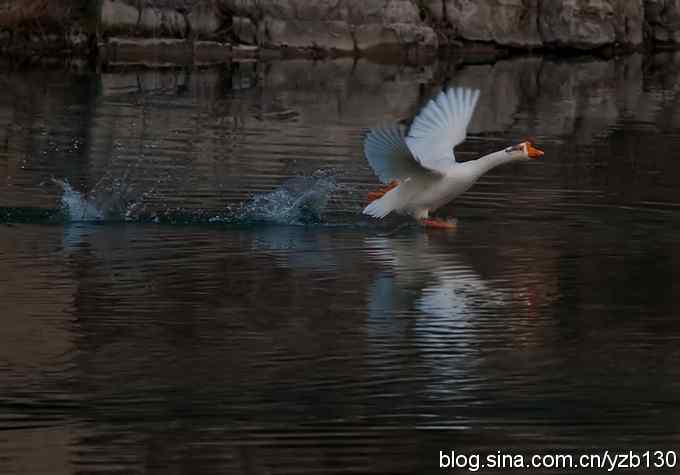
{"x": 546, "y": 320}
{"x": 163, "y": 142}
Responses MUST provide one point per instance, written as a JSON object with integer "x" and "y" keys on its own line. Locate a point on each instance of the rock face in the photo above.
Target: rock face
{"x": 353, "y": 26}
{"x": 364, "y": 24}
{"x": 587, "y": 24}
{"x": 505, "y": 22}
{"x": 580, "y": 24}
{"x": 345, "y": 25}
{"x": 174, "y": 18}
{"x": 663, "y": 19}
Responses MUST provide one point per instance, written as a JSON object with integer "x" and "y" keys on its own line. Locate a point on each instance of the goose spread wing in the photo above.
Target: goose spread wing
{"x": 389, "y": 156}
{"x": 440, "y": 126}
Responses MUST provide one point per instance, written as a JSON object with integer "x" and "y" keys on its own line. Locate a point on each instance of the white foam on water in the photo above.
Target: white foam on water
{"x": 300, "y": 200}
{"x": 76, "y": 207}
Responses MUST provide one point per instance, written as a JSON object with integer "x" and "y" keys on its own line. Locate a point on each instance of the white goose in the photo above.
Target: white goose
{"x": 420, "y": 169}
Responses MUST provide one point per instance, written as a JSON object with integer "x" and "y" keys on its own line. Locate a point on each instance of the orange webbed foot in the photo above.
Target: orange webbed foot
{"x": 375, "y": 195}
{"x": 435, "y": 223}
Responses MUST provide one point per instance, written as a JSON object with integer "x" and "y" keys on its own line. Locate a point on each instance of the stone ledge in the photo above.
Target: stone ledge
{"x": 164, "y": 52}
{"x": 146, "y": 18}
{"x": 319, "y": 29}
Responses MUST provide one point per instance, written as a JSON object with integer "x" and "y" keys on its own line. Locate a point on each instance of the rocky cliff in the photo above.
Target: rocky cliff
{"x": 352, "y": 26}
{"x": 360, "y": 25}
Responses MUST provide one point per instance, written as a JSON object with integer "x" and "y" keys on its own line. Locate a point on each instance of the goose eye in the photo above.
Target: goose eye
{"x": 514, "y": 148}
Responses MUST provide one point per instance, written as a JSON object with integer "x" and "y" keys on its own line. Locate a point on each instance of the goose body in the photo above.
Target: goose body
{"x": 420, "y": 165}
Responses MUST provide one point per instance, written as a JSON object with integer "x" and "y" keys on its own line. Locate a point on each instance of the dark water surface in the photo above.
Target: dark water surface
{"x": 186, "y": 284}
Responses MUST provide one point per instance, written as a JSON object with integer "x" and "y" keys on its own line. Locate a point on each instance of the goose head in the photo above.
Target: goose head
{"x": 524, "y": 151}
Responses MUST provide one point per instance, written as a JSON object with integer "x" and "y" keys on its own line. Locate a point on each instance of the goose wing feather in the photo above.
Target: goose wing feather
{"x": 440, "y": 126}
{"x": 389, "y": 156}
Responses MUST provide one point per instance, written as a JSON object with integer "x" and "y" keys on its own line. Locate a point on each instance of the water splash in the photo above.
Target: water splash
{"x": 300, "y": 200}
{"x": 75, "y": 207}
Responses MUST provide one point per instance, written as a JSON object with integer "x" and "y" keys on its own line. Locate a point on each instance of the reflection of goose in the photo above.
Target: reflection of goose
{"x": 428, "y": 277}
{"x": 428, "y": 298}
{"x": 420, "y": 168}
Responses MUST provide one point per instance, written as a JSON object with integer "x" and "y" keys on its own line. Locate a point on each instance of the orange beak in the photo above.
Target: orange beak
{"x": 533, "y": 152}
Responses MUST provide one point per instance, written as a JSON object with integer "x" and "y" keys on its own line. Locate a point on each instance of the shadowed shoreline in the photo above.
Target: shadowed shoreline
{"x": 185, "y": 32}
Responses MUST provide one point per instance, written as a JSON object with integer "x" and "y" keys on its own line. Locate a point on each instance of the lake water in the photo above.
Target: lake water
{"x": 187, "y": 284}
